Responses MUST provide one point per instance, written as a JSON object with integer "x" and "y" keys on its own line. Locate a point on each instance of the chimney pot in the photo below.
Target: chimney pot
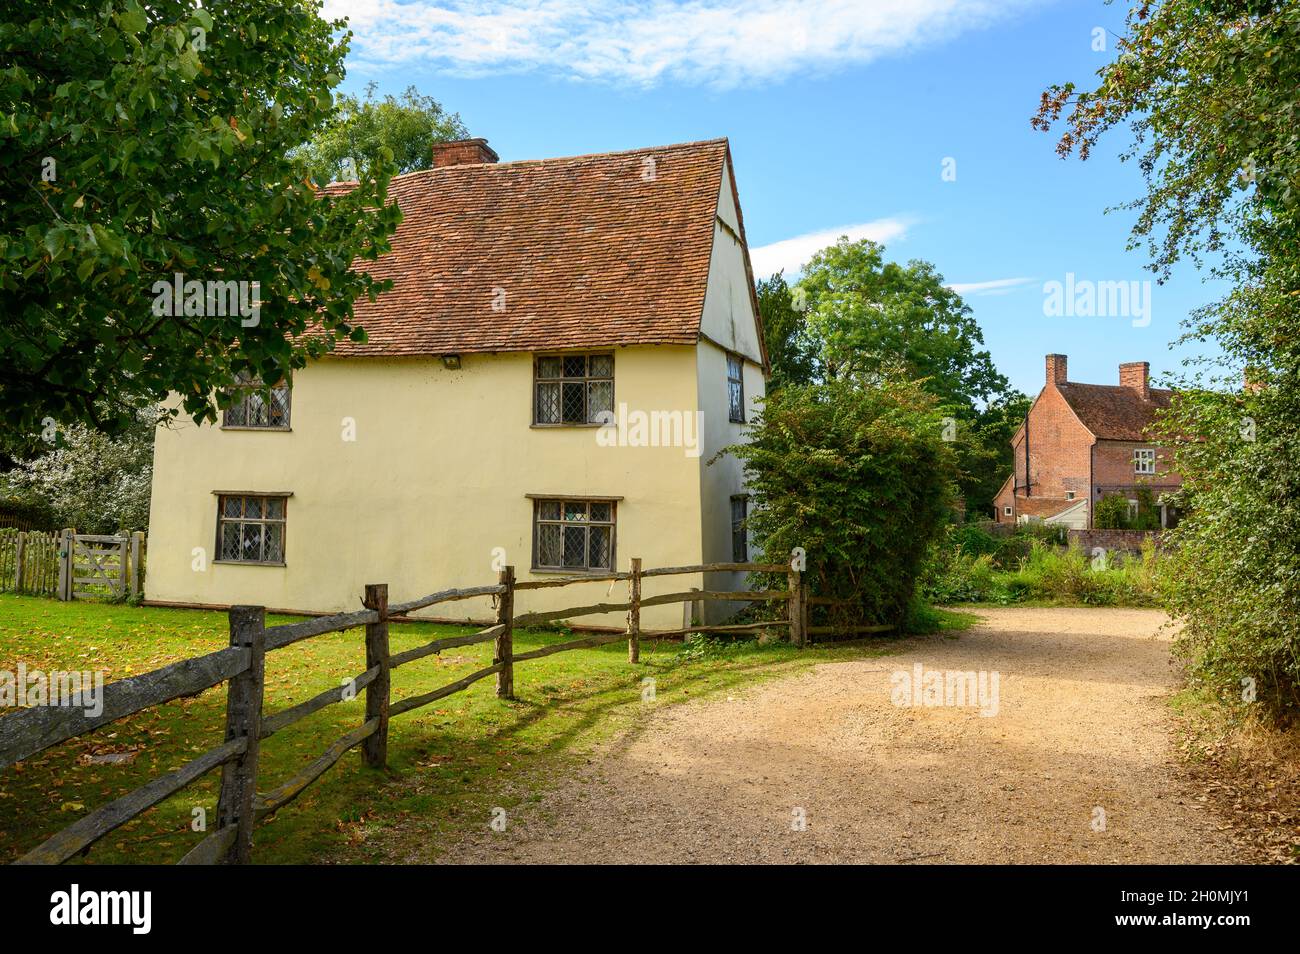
{"x": 1137, "y": 376}
{"x": 462, "y": 152}
{"x": 1056, "y": 369}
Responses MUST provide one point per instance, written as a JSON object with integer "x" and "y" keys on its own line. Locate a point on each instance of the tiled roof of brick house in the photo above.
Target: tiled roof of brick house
{"x": 1114, "y": 412}
{"x": 587, "y": 251}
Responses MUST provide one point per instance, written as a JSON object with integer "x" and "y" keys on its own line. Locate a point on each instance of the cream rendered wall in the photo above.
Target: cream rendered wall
{"x": 728, "y": 324}
{"x": 435, "y": 480}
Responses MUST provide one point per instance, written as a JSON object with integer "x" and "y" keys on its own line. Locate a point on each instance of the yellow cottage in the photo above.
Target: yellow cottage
{"x": 567, "y": 345}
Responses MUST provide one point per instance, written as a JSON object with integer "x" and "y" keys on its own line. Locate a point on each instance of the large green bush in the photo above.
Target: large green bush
{"x": 860, "y": 478}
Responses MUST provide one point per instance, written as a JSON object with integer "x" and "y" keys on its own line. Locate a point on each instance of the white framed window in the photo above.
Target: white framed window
{"x": 1132, "y": 509}
{"x": 1006, "y": 511}
{"x": 1144, "y": 461}
{"x": 1069, "y": 495}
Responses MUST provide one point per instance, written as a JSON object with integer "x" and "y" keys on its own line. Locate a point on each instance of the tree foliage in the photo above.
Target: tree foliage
{"x": 791, "y": 351}
{"x": 871, "y": 316}
{"x": 138, "y": 142}
{"x": 1211, "y": 91}
{"x": 92, "y": 481}
{"x": 853, "y": 315}
{"x": 860, "y": 478}
{"x": 368, "y": 131}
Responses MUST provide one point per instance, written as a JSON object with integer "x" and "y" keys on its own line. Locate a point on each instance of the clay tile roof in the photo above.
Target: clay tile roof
{"x": 1112, "y": 412}
{"x": 591, "y": 251}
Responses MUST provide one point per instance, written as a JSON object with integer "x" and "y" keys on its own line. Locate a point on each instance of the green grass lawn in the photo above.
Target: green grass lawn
{"x": 462, "y": 753}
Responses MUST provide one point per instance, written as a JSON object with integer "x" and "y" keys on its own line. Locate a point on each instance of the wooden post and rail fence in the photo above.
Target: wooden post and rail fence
{"x": 240, "y": 806}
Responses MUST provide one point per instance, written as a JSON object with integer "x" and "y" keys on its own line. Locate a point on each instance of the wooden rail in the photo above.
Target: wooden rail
{"x": 241, "y": 666}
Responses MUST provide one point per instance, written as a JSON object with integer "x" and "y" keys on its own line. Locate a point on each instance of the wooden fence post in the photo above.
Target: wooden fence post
{"x": 137, "y": 551}
{"x": 505, "y": 648}
{"x": 798, "y": 634}
{"x": 65, "y": 563}
{"x": 20, "y": 553}
{"x": 243, "y": 720}
{"x": 375, "y": 748}
{"x": 634, "y": 612}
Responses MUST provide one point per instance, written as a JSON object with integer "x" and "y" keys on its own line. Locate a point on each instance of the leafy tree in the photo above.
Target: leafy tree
{"x": 871, "y": 317}
{"x": 1210, "y": 90}
{"x": 860, "y": 478}
{"x": 92, "y": 481}
{"x": 367, "y": 131}
{"x": 984, "y": 452}
{"x": 790, "y": 350}
{"x": 866, "y": 319}
{"x": 142, "y": 142}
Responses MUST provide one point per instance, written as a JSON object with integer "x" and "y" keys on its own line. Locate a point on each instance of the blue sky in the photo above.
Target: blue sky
{"x": 841, "y": 113}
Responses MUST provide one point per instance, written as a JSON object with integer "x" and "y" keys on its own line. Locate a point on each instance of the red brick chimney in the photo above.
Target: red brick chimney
{"x": 1136, "y": 375}
{"x": 462, "y": 152}
{"x": 1056, "y": 369}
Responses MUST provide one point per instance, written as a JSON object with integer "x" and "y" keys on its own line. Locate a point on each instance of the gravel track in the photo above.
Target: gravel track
{"x": 1081, "y": 725}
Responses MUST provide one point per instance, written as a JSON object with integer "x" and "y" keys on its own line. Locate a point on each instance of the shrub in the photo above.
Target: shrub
{"x": 859, "y": 477}
{"x": 1046, "y": 573}
{"x": 1112, "y": 512}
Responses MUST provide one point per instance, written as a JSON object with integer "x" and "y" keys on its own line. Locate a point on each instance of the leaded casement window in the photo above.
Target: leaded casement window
{"x": 739, "y": 545}
{"x": 255, "y": 407}
{"x": 735, "y": 389}
{"x": 573, "y": 534}
{"x": 573, "y": 388}
{"x": 1144, "y": 461}
{"x": 250, "y": 528}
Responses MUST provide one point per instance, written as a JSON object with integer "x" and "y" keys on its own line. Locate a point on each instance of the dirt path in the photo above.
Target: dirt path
{"x": 1079, "y": 726}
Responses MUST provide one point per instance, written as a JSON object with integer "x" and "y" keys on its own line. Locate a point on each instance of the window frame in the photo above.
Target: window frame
{"x": 1144, "y": 455}
{"x": 736, "y": 414}
{"x": 249, "y": 386}
{"x": 282, "y": 521}
{"x": 587, "y": 379}
{"x": 739, "y": 533}
{"x": 1007, "y": 510}
{"x": 538, "y": 522}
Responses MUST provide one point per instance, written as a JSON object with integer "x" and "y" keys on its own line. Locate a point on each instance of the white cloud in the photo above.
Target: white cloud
{"x": 998, "y": 286}
{"x": 790, "y": 255}
{"x": 720, "y": 43}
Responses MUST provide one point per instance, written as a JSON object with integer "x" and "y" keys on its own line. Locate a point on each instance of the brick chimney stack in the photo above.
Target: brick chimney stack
{"x": 462, "y": 152}
{"x": 1056, "y": 369}
{"x": 1136, "y": 375}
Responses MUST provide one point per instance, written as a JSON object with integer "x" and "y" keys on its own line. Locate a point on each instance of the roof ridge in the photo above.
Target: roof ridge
{"x": 1089, "y": 384}
{"x": 723, "y": 140}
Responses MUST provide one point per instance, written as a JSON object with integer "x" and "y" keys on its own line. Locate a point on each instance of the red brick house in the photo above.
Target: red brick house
{"x": 1080, "y": 442}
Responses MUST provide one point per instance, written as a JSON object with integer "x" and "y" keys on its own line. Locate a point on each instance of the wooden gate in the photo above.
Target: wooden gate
{"x": 100, "y": 565}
